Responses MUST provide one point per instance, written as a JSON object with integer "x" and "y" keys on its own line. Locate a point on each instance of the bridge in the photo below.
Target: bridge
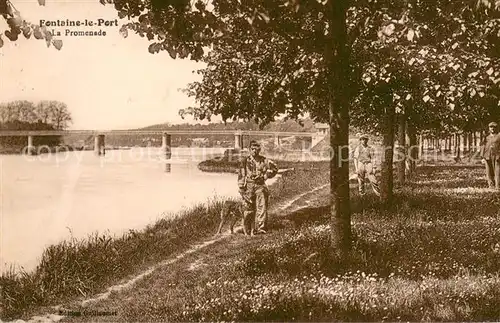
{"x": 25, "y": 133}
{"x": 99, "y": 136}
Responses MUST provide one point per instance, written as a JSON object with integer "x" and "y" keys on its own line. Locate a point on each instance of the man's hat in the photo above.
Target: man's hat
{"x": 493, "y": 124}
{"x": 363, "y": 137}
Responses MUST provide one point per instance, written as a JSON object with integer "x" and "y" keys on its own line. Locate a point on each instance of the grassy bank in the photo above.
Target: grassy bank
{"x": 230, "y": 162}
{"x": 77, "y": 269}
{"x": 435, "y": 257}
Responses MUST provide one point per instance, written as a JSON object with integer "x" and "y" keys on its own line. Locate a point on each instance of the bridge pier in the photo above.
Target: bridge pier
{"x": 31, "y": 148}
{"x": 99, "y": 145}
{"x": 238, "y": 140}
{"x": 277, "y": 142}
{"x": 166, "y": 147}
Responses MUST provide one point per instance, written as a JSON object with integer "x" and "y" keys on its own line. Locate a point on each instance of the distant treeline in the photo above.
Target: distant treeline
{"x": 303, "y": 125}
{"x": 26, "y": 115}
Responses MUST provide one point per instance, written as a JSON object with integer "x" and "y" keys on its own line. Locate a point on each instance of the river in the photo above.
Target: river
{"x": 51, "y": 197}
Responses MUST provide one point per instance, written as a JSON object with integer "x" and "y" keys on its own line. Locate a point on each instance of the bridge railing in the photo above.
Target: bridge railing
{"x": 11, "y": 133}
{"x": 99, "y": 136}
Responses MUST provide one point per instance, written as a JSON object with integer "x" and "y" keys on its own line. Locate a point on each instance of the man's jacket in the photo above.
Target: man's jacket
{"x": 490, "y": 149}
{"x": 255, "y": 170}
{"x": 364, "y": 154}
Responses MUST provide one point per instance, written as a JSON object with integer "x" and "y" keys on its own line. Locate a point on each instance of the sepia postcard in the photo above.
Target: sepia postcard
{"x": 229, "y": 160}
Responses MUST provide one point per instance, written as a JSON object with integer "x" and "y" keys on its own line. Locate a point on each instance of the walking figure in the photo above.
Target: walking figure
{"x": 490, "y": 154}
{"x": 363, "y": 164}
{"x": 253, "y": 172}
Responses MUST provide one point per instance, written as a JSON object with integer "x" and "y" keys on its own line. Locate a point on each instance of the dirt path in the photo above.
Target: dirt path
{"x": 49, "y": 318}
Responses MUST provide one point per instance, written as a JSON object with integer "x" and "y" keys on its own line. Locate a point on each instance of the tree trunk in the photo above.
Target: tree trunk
{"x": 338, "y": 57}
{"x": 421, "y": 147}
{"x": 462, "y": 143}
{"x": 471, "y": 142}
{"x": 457, "y": 148}
{"x": 401, "y": 155}
{"x": 408, "y": 150}
{"x": 454, "y": 144}
{"x": 387, "y": 180}
{"x": 413, "y": 149}
{"x": 466, "y": 142}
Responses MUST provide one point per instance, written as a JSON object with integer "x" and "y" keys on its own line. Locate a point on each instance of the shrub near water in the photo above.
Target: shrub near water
{"x": 80, "y": 268}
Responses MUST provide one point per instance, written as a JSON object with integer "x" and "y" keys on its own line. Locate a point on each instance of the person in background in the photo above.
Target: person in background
{"x": 253, "y": 172}
{"x": 490, "y": 156}
{"x": 363, "y": 164}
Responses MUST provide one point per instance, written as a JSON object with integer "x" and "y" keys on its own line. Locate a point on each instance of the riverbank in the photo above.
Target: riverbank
{"x": 229, "y": 162}
{"x": 431, "y": 258}
{"x": 79, "y": 268}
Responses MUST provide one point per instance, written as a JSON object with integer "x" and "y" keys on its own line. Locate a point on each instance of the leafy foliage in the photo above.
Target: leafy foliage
{"x": 266, "y": 58}
{"x": 439, "y": 62}
{"x": 17, "y": 26}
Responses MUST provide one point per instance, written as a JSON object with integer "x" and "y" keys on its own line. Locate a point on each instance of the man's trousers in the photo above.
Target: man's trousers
{"x": 365, "y": 170}
{"x": 493, "y": 173}
{"x": 255, "y": 206}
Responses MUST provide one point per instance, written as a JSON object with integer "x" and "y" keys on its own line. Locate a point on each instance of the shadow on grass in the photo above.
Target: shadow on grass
{"x": 301, "y": 217}
{"x": 447, "y": 206}
{"x": 449, "y": 171}
{"x": 409, "y": 249}
{"x": 447, "y": 183}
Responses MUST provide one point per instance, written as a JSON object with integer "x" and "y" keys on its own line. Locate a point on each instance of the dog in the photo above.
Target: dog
{"x": 232, "y": 211}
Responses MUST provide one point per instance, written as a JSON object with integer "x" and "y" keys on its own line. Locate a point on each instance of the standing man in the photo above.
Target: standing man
{"x": 253, "y": 172}
{"x": 363, "y": 156}
{"x": 490, "y": 154}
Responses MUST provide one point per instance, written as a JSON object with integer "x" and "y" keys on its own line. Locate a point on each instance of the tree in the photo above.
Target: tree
{"x": 316, "y": 39}
{"x": 53, "y": 113}
{"x": 60, "y": 115}
{"x": 25, "y": 115}
{"x": 432, "y": 60}
{"x": 25, "y": 110}
{"x": 44, "y": 111}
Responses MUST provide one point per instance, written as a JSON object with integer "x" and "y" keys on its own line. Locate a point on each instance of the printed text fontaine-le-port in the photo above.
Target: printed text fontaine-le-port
{"x": 93, "y": 23}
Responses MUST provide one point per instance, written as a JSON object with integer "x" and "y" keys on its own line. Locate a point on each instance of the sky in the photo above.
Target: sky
{"x": 108, "y": 82}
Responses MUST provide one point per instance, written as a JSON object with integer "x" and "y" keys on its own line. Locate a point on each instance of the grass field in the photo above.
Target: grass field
{"x": 434, "y": 257}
